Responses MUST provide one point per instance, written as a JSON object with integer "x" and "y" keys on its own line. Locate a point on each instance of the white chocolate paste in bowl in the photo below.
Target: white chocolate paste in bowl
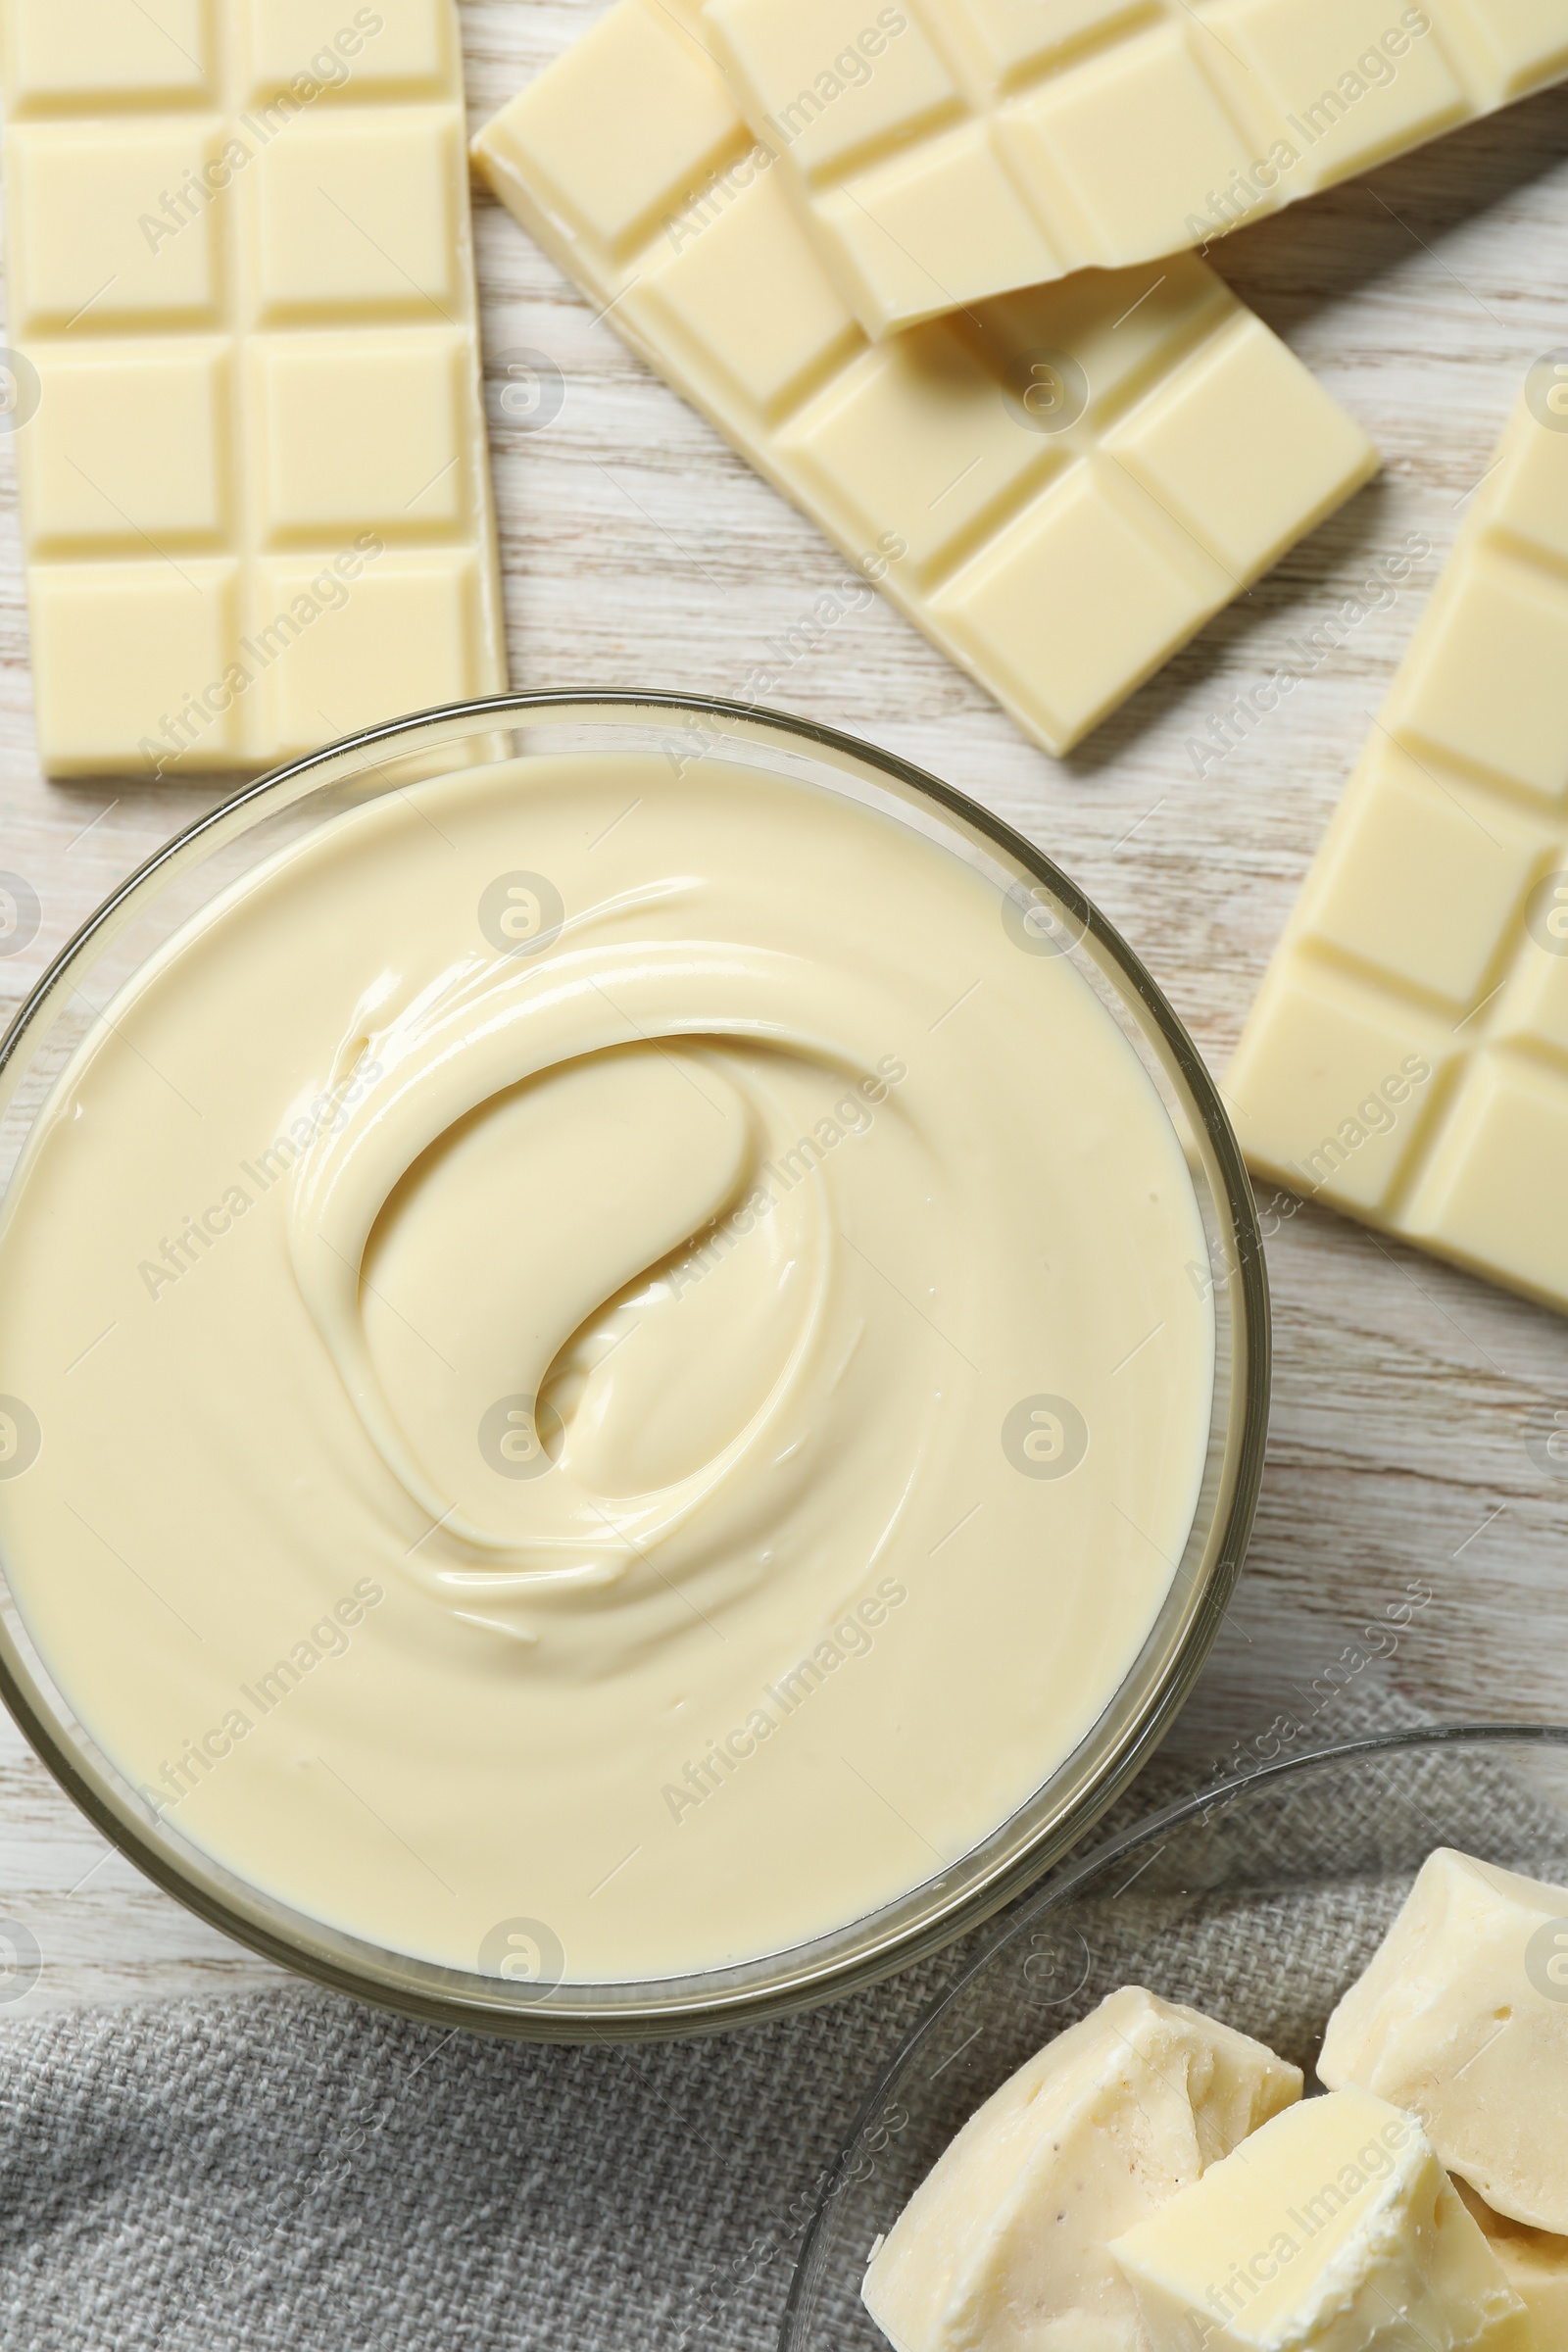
{"x": 603, "y": 1349}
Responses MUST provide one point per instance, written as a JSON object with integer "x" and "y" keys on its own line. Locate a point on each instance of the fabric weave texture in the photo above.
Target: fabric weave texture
{"x": 290, "y": 2171}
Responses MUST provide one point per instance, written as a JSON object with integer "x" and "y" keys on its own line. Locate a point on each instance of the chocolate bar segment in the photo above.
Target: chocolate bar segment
{"x": 945, "y": 150}
{"x": 250, "y": 432}
{"x": 1408, "y": 1057}
{"x": 1059, "y": 487}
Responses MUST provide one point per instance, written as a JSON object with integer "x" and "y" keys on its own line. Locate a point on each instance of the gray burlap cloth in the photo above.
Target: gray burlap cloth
{"x": 289, "y": 2169}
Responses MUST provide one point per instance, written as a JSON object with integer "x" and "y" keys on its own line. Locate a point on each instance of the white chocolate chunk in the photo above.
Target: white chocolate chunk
{"x": 1334, "y": 2227}
{"x": 1535, "y": 2264}
{"x": 1462, "y": 2017}
{"x": 1059, "y": 489}
{"x": 254, "y": 482}
{"x": 1005, "y": 2244}
{"x": 1408, "y": 1057}
{"x": 948, "y": 150}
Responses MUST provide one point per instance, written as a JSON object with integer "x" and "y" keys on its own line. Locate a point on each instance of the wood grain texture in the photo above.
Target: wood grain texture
{"x": 638, "y": 550}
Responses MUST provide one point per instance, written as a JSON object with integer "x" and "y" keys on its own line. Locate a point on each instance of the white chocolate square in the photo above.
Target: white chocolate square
{"x": 1023, "y": 32}
{"x": 109, "y": 53}
{"x": 905, "y": 232}
{"x": 833, "y": 100}
{"x": 120, "y": 651}
{"x": 1130, "y": 348}
{"x": 362, "y": 430}
{"x": 1300, "y": 53}
{"x": 414, "y": 615}
{"x": 772, "y": 332}
{"x": 1491, "y": 1194}
{"x": 1438, "y": 910}
{"x": 1208, "y": 448}
{"x": 1408, "y": 845}
{"x": 93, "y": 242}
{"x": 1100, "y": 149}
{"x": 649, "y": 160}
{"x": 1035, "y": 605}
{"x": 1535, "y": 1006}
{"x": 969, "y": 465}
{"x": 1530, "y": 503}
{"x": 1488, "y": 685}
{"x": 919, "y": 441}
{"x": 1127, "y": 129}
{"x": 1510, "y": 46}
{"x": 130, "y": 451}
{"x": 358, "y": 213}
{"x": 1340, "y": 1077}
{"x": 402, "y": 48}
{"x": 241, "y": 265}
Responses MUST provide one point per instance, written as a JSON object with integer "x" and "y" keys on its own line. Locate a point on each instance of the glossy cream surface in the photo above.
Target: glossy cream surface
{"x": 603, "y": 1366}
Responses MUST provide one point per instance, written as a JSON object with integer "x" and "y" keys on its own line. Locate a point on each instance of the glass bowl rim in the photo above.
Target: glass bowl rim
{"x": 1054, "y": 1839}
{"x": 1070, "y": 1883}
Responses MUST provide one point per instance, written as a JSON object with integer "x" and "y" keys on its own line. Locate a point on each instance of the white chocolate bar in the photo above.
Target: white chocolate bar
{"x": 250, "y": 438}
{"x": 1407, "y": 1058}
{"x": 946, "y": 150}
{"x": 1060, "y": 490}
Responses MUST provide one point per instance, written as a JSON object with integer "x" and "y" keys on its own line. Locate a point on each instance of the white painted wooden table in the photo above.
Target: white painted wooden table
{"x": 639, "y": 552}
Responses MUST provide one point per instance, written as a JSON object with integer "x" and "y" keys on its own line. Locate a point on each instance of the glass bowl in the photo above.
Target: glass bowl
{"x": 1259, "y": 1902}
{"x": 266, "y": 817}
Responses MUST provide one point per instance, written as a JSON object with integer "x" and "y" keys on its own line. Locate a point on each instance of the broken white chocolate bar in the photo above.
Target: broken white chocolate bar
{"x": 1408, "y": 1057}
{"x": 1059, "y": 489}
{"x": 1462, "y": 2018}
{"x": 1333, "y": 2227}
{"x": 249, "y": 433}
{"x": 946, "y": 150}
{"x": 1006, "y": 2243}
